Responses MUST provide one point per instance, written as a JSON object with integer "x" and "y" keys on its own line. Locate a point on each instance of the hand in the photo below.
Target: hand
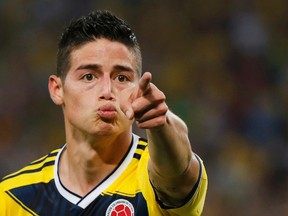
{"x": 146, "y": 103}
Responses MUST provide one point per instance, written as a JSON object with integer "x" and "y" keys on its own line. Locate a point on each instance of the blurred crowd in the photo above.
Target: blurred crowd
{"x": 222, "y": 65}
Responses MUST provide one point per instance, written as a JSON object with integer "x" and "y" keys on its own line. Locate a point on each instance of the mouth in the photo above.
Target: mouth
{"x": 107, "y": 111}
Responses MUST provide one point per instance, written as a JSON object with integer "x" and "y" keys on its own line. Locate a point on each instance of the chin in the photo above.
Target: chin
{"x": 105, "y": 130}
{"x": 115, "y": 127}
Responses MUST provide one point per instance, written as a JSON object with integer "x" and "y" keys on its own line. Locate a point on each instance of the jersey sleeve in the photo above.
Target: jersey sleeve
{"x": 2, "y": 201}
{"x": 192, "y": 207}
{"x": 10, "y": 205}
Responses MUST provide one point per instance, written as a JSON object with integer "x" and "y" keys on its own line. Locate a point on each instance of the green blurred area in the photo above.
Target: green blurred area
{"x": 222, "y": 65}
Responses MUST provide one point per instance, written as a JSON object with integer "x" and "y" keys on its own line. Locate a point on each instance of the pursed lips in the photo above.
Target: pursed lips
{"x": 107, "y": 111}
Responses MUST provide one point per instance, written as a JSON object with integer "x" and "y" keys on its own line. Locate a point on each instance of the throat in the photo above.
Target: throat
{"x": 82, "y": 170}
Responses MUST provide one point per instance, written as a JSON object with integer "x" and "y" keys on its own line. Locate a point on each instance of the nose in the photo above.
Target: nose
{"x": 106, "y": 89}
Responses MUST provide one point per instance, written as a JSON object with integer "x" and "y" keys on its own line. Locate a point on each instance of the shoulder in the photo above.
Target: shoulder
{"x": 40, "y": 170}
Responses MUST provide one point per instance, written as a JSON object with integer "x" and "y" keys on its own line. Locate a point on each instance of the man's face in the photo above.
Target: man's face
{"x": 99, "y": 71}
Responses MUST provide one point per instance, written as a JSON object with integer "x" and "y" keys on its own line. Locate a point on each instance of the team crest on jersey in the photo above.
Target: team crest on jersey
{"x": 120, "y": 207}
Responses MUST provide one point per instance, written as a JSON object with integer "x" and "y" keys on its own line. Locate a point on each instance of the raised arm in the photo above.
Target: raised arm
{"x": 173, "y": 167}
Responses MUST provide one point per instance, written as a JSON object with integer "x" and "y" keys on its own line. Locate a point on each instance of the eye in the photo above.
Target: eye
{"x": 122, "y": 78}
{"x": 88, "y": 77}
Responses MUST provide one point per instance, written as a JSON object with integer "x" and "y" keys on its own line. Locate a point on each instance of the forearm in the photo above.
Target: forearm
{"x": 169, "y": 146}
{"x": 173, "y": 168}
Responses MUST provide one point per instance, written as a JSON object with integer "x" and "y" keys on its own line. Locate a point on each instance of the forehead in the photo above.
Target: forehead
{"x": 103, "y": 51}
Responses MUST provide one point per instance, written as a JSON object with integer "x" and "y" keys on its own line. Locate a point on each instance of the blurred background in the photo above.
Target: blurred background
{"x": 222, "y": 65}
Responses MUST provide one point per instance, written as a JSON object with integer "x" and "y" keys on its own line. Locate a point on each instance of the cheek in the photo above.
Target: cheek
{"x": 78, "y": 111}
{"x": 73, "y": 95}
{"x": 75, "y": 103}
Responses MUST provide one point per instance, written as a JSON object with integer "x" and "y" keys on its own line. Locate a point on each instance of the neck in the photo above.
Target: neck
{"x": 84, "y": 165}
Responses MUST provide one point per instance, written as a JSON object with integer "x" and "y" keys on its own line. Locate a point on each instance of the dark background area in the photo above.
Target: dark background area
{"x": 222, "y": 65}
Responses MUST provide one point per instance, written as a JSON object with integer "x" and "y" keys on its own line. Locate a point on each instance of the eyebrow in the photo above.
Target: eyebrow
{"x": 96, "y": 67}
{"x": 123, "y": 68}
{"x": 89, "y": 66}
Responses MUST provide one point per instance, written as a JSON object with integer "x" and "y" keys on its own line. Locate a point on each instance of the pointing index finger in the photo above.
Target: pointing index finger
{"x": 144, "y": 82}
{"x": 142, "y": 89}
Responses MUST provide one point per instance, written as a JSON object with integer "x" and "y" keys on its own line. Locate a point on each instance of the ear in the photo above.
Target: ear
{"x": 56, "y": 89}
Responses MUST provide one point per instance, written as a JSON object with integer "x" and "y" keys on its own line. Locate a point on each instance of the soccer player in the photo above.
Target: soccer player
{"x": 104, "y": 168}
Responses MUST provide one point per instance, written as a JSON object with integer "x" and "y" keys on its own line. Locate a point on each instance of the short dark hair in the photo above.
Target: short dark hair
{"x": 97, "y": 24}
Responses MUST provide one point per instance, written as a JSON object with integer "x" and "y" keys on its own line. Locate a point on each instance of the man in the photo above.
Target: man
{"x": 105, "y": 169}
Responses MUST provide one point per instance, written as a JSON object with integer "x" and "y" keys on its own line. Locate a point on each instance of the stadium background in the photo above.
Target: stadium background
{"x": 222, "y": 64}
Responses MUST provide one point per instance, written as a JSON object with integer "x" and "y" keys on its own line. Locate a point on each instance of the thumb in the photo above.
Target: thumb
{"x": 126, "y": 99}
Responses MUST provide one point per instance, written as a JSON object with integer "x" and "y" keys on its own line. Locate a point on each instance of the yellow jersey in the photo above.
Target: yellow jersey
{"x": 37, "y": 190}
